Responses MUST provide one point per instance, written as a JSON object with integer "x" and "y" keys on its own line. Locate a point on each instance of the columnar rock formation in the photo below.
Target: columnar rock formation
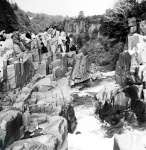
{"x": 36, "y": 103}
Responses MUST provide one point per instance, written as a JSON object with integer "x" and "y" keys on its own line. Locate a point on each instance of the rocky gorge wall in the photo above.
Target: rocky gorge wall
{"x": 74, "y": 26}
{"x": 35, "y": 101}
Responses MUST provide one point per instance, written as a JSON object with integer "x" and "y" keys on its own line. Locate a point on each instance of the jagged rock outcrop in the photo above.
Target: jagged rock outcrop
{"x": 52, "y": 135}
{"x": 81, "y": 70}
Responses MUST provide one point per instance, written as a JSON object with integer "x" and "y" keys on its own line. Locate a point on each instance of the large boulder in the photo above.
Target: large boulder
{"x": 58, "y": 127}
{"x": 56, "y": 63}
{"x": 57, "y": 72}
{"x": 57, "y": 101}
{"x": 45, "y": 84}
{"x": 130, "y": 141}
{"x": 10, "y": 124}
{"x": 81, "y": 70}
{"x": 48, "y": 108}
{"x": 24, "y": 94}
{"x": 44, "y": 142}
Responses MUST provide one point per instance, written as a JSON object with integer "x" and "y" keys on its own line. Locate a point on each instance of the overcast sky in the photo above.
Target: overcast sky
{"x": 65, "y": 7}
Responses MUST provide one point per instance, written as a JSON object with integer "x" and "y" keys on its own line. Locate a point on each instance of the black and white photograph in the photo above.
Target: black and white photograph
{"x": 72, "y": 74}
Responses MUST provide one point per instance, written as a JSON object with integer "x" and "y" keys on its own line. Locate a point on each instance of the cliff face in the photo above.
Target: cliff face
{"x": 78, "y": 26}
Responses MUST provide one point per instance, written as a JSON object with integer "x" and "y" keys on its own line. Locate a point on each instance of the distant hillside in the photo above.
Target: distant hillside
{"x": 22, "y": 18}
{"x": 12, "y": 16}
{"x": 40, "y": 21}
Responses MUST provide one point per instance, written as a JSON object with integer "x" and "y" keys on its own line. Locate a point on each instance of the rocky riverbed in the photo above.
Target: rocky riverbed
{"x": 92, "y": 133}
{"x": 89, "y": 133}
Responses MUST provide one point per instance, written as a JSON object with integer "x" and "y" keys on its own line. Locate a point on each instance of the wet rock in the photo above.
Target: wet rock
{"x": 116, "y": 127}
{"x": 82, "y": 99}
{"x": 43, "y": 142}
{"x": 68, "y": 113}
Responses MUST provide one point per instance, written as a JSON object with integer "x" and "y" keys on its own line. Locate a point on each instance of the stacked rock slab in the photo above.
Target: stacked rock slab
{"x": 131, "y": 64}
{"x": 36, "y": 102}
{"x": 70, "y": 60}
{"x": 58, "y": 67}
{"x": 11, "y": 125}
{"x": 56, "y": 101}
{"x": 50, "y": 110}
{"x": 53, "y": 136}
{"x": 17, "y": 74}
{"x": 136, "y": 75}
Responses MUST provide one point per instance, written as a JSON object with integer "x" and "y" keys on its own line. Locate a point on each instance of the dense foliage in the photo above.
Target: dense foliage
{"x": 8, "y": 20}
{"x": 39, "y": 22}
{"x": 103, "y": 44}
{"x": 110, "y": 39}
{"x": 12, "y": 16}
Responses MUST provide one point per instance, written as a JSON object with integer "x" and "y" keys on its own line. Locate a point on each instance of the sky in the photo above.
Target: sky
{"x": 66, "y": 7}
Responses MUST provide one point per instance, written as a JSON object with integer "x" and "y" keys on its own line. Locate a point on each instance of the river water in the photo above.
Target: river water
{"x": 89, "y": 134}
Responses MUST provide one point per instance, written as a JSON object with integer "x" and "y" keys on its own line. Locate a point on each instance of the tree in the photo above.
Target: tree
{"x": 8, "y": 19}
{"x": 81, "y": 15}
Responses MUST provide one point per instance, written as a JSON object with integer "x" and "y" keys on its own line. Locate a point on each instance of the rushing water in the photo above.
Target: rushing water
{"x": 90, "y": 134}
